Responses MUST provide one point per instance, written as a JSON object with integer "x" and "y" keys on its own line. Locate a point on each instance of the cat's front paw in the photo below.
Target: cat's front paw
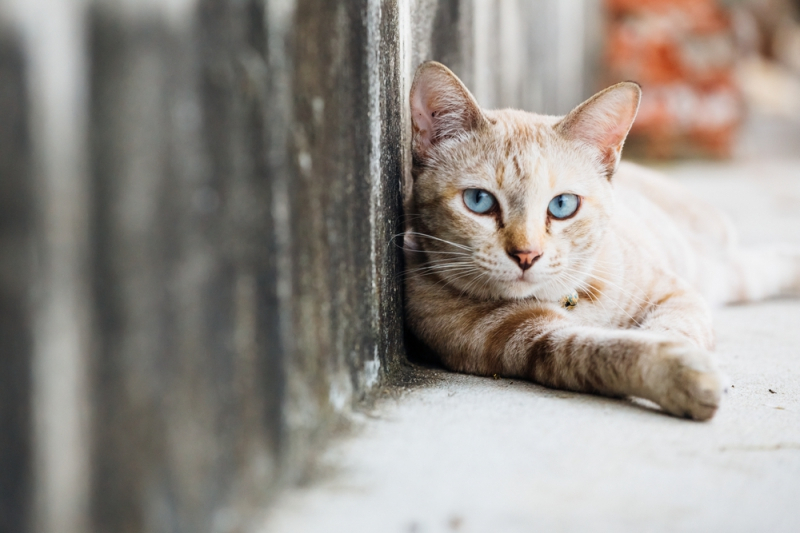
{"x": 683, "y": 380}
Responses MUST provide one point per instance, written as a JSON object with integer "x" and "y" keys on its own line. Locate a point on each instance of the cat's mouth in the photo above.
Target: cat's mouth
{"x": 522, "y": 285}
{"x": 529, "y": 276}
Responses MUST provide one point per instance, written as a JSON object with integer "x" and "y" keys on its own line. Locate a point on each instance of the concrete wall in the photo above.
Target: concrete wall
{"x": 197, "y": 205}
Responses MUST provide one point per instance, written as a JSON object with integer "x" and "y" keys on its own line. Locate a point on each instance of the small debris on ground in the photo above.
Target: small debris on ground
{"x": 455, "y": 523}
{"x": 772, "y": 391}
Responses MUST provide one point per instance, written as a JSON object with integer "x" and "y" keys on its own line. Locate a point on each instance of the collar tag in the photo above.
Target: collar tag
{"x": 569, "y": 300}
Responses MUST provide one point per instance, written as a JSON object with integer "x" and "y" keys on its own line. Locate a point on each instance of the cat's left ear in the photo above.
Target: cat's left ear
{"x": 603, "y": 121}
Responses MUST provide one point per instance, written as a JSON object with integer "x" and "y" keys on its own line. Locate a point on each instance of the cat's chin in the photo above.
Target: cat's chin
{"x": 523, "y": 290}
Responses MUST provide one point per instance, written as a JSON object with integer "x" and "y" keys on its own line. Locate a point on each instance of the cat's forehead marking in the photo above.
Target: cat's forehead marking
{"x": 509, "y": 147}
{"x": 501, "y": 170}
{"x": 509, "y": 162}
{"x": 523, "y": 140}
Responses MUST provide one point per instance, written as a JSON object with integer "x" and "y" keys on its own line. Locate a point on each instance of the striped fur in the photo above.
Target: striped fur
{"x": 644, "y": 256}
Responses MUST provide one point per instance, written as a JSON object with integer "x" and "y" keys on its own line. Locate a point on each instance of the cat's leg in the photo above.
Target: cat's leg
{"x": 677, "y": 375}
{"x": 665, "y": 366}
{"x": 667, "y": 358}
{"x": 684, "y": 367}
{"x": 550, "y": 346}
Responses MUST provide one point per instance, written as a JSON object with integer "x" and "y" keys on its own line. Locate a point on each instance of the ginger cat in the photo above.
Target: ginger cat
{"x": 532, "y": 252}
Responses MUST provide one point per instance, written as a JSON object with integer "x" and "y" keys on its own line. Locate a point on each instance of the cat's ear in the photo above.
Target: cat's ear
{"x": 441, "y": 107}
{"x": 604, "y": 120}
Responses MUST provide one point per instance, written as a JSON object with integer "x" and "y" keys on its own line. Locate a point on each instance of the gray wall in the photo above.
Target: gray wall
{"x": 197, "y": 203}
{"x": 537, "y": 55}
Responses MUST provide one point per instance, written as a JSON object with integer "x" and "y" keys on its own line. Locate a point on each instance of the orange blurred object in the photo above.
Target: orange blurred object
{"x": 683, "y": 54}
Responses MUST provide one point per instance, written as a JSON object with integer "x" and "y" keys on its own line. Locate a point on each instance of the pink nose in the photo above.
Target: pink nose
{"x": 525, "y": 258}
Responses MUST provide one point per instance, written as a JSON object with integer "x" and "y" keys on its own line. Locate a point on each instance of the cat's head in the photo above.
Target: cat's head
{"x": 509, "y": 204}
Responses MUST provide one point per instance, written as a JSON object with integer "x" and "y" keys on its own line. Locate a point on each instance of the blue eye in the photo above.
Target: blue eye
{"x": 479, "y": 200}
{"x": 564, "y": 205}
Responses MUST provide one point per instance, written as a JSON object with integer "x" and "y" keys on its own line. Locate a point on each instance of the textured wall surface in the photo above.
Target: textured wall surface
{"x": 15, "y": 317}
{"x": 198, "y": 200}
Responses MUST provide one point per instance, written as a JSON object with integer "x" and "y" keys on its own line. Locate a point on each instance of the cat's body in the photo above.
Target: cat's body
{"x": 488, "y": 271}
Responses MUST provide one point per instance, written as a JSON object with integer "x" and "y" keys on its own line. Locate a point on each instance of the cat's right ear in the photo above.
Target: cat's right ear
{"x": 441, "y": 108}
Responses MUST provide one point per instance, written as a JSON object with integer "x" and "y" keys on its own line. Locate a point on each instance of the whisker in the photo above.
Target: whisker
{"x": 437, "y": 239}
{"x": 484, "y": 283}
{"x": 434, "y": 252}
{"x": 465, "y": 290}
{"x": 642, "y": 298}
{"x": 446, "y": 260}
{"x": 439, "y": 269}
{"x": 460, "y": 276}
{"x": 594, "y": 275}
{"x": 585, "y": 283}
{"x": 599, "y": 301}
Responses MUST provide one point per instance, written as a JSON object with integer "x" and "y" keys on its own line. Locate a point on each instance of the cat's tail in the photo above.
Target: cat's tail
{"x": 763, "y": 272}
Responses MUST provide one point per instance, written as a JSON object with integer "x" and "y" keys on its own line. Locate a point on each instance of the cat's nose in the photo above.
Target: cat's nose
{"x": 525, "y": 258}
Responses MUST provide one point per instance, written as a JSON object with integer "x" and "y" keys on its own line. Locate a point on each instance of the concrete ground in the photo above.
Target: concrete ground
{"x": 469, "y": 454}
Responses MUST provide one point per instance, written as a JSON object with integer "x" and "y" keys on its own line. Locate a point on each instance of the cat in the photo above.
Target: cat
{"x": 533, "y": 252}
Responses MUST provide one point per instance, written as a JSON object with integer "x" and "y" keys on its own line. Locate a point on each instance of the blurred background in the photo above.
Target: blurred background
{"x": 719, "y": 77}
{"x": 199, "y": 201}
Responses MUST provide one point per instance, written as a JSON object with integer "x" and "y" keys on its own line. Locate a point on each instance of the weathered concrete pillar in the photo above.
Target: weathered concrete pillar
{"x": 189, "y": 371}
{"x": 244, "y": 196}
{"x": 16, "y": 318}
{"x": 48, "y": 195}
